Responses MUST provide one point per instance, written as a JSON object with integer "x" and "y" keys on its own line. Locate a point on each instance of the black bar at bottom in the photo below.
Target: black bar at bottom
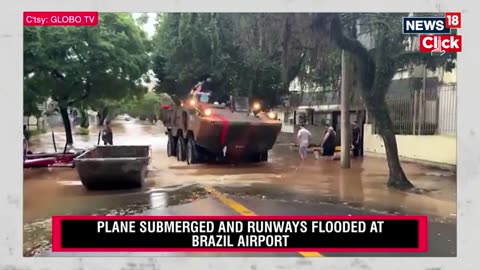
{"x": 86, "y": 234}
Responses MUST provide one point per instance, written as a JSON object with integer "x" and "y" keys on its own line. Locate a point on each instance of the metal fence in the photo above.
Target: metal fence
{"x": 319, "y": 98}
{"x": 425, "y": 112}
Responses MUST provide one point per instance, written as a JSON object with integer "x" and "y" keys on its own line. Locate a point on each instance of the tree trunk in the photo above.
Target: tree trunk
{"x": 285, "y": 61}
{"x": 373, "y": 86}
{"x": 397, "y": 177}
{"x": 84, "y": 121}
{"x": 345, "y": 137}
{"x": 102, "y": 115}
{"x": 67, "y": 125}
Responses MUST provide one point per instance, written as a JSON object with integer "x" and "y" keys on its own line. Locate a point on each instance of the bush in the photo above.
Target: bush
{"x": 30, "y": 133}
{"x": 146, "y": 107}
{"x": 82, "y": 131}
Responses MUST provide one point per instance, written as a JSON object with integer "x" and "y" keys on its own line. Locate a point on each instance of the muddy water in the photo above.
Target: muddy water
{"x": 284, "y": 177}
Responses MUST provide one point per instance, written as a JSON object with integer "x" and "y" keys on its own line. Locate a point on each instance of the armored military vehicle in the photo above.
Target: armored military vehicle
{"x": 199, "y": 131}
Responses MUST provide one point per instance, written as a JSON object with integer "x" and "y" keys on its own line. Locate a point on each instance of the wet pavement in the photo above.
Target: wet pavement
{"x": 283, "y": 186}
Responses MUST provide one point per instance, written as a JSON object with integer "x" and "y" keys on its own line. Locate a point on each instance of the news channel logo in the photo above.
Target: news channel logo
{"x": 435, "y": 33}
{"x": 431, "y": 25}
{"x": 428, "y": 25}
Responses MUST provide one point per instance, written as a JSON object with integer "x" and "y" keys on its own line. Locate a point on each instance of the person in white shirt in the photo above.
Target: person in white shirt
{"x": 303, "y": 139}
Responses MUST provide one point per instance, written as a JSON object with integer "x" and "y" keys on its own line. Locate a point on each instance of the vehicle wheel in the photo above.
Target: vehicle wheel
{"x": 180, "y": 149}
{"x": 171, "y": 146}
{"x": 263, "y": 157}
{"x": 91, "y": 186}
{"x": 88, "y": 187}
{"x": 193, "y": 156}
{"x": 139, "y": 183}
{"x": 259, "y": 157}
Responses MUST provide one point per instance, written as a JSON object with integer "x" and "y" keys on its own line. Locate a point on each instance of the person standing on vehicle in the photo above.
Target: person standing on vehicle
{"x": 303, "y": 140}
{"x": 206, "y": 86}
{"x": 195, "y": 88}
{"x": 107, "y": 134}
{"x": 329, "y": 143}
{"x": 202, "y": 88}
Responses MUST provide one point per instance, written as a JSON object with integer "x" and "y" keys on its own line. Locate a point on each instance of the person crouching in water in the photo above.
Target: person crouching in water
{"x": 328, "y": 145}
{"x": 303, "y": 140}
{"x": 107, "y": 134}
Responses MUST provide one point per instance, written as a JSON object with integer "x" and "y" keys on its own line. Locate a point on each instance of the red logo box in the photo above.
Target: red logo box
{"x": 453, "y": 19}
{"x": 440, "y": 43}
{"x": 60, "y": 18}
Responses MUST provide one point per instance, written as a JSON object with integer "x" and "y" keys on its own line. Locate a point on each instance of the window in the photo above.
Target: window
{"x": 322, "y": 119}
{"x": 301, "y": 118}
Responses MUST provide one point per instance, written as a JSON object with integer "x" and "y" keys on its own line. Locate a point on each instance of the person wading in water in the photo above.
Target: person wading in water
{"x": 107, "y": 134}
{"x": 329, "y": 141}
{"x": 303, "y": 140}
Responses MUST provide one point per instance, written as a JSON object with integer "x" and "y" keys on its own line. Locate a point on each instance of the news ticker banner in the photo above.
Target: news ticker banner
{"x": 239, "y": 234}
{"x": 60, "y": 18}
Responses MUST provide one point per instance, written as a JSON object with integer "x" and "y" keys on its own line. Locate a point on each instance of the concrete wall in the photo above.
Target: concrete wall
{"x": 286, "y": 127}
{"x": 434, "y": 149}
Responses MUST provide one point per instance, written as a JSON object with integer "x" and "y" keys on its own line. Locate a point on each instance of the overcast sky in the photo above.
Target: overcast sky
{"x": 150, "y": 25}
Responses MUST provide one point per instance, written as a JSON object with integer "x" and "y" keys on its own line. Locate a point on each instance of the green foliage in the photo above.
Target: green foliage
{"x": 35, "y": 132}
{"x": 247, "y": 54}
{"x": 250, "y": 54}
{"x": 82, "y": 131}
{"x": 31, "y": 102}
{"x": 84, "y": 66}
{"x": 142, "y": 19}
{"x": 387, "y": 51}
{"x": 146, "y": 106}
{"x": 376, "y": 62}
{"x": 84, "y": 120}
{"x": 188, "y": 50}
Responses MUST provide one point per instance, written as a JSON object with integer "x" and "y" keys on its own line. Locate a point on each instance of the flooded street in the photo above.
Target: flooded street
{"x": 283, "y": 186}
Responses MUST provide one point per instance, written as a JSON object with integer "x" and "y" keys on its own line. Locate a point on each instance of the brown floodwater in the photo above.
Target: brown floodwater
{"x": 59, "y": 191}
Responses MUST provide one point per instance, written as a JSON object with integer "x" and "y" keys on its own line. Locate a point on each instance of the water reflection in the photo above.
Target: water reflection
{"x": 350, "y": 189}
{"x": 59, "y": 191}
{"x": 158, "y": 200}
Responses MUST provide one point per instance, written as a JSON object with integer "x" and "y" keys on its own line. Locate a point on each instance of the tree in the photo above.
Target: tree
{"x": 146, "y": 106}
{"x": 76, "y": 63}
{"x": 191, "y": 47}
{"x": 250, "y": 54}
{"x": 260, "y": 54}
{"x": 34, "y": 87}
{"x": 31, "y": 101}
{"x": 376, "y": 68}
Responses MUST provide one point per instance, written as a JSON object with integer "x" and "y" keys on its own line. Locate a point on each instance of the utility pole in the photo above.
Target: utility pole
{"x": 346, "y": 128}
